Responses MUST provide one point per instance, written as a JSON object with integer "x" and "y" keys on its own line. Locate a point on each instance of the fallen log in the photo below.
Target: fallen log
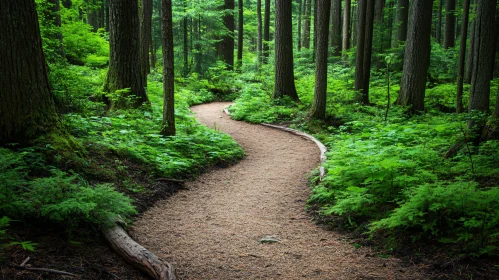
{"x": 136, "y": 254}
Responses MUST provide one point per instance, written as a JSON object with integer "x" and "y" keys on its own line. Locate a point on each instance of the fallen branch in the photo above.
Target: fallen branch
{"x": 23, "y": 266}
{"x": 170, "y": 180}
{"x": 136, "y": 254}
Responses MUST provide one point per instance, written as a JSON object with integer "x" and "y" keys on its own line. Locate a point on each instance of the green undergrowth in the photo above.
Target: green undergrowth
{"x": 387, "y": 178}
{"x": 115, "y": 159}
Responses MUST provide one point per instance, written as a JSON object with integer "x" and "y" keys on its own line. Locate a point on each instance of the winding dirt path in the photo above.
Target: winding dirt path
{"x": 212, "y": 230}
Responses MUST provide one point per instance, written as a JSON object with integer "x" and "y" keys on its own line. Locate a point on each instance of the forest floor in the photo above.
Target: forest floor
{"x": 214, "y": 229}
{"x": 247, "y": 221}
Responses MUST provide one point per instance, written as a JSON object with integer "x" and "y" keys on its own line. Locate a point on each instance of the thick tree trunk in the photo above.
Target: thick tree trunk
{"x": 346, "y": 26}
{"x": 225, "y": 47}
{"x": 306, "y": 24}
{"x": 266, "y": 32}
{"x": 284, "y": 82}
{"x": 450, "y": 24}
{"x": 401, "y": 20}
{"x": 27, "y": 109}
{"x": 300, "y": 11}
{"x": 168, "y": 128}
{"x": 240, "y": 34}
{"x": 125, "y": 70}
{"x": 318, "y": 110}
{"x": 145, "y": 37}
{"x": 368, "y": 47}
{"x": 417, "y": 57}
{"x": 462, "y": 56}
{"x": 335, "y": 36}
{"x": 483, "y": 53}
{"x": 137, "y": 255}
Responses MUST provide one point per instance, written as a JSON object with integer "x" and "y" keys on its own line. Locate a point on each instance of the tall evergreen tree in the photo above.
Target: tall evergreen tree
{"x": 335, "y": 35}
{"x": 450, "y": 24}
{"x": 27, "y": 109}
{"x": 145, "y": 36}
{"x": 364, "y": 48}
{"x": 168, "y": 128}
{"x": 346, "y": 26}
{"x": 462, "y": 56}
{"x": 417, "y": 57}
{"x": 225, "y": 48}
{"x": 318, "y": 110}
{"x": 307, "y": 24}
{"x": 284, "y": 81}
{"x": 125, "y": 70}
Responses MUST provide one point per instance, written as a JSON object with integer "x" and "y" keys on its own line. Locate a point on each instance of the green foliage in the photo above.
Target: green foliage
{"x": 81, "y": 45}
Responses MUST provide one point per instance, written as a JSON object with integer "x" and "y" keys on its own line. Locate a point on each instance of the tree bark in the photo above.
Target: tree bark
{"x": 225, "y": 47}
{"x": 335, "y": 36}
{"x": 145, "y": 37}
{"x": 417, "y": 57}
{"x": 462, "y": 56}
{"x": 240, "y": 34}
{"x": 361, "y": 32}
{"x": 266, "y": 32}
{"x": 401, "y": 20}
{"x": 168, "y": 127}
{"x": 284, "y": 82}
{"x": 378, "y": 10}
{"x": 439, "y": 23}
{"x": 318, "y": 110}
{"x": 483, "y": 53}
{"x": 469, "y": 60}
{"x": 27, "y": 109}
{"x": 346, "y": 27}
{"x": 125, "y": 70}
{"x": 364, "y": 48}
{"x": 306, "y": 24}
{"x": 450, "y": 24}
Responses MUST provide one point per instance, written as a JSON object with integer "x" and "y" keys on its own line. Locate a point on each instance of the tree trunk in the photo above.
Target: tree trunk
{"x": 462, "y": 55}
{"x": 491, "y": 130}
{"x": 284, "y": 82}
{"x": 368, "y": 47}
{"x": 318, "y": 110}
{"x": 483, "y": 53}
{"x": 401, "y": 22}
{"x": 417, "y": 57}
{"x": 197, "y": 45}
{"x": 315, "y": 24}
{"x": 361, "y": 32}
{"x": 450, "y": 24}
{"x": 378, "y": 10}
{"x": 153, "y": 57}
{"x": 469, "y": 60}
{"x": 259, "y": 32}
{"x": 335, "y": 35}
{"x": 266, "y": 32}
{"x": 240, "y": 34}
{"x": 186, "y": 41}
{"x": 225, "y": 47}
{"x": 306, "y": 24}
{"x": 145, "y": 37}
{"x": 137, "y": 255}
{"x": 168, "y": 127}
{"x": 346, "y": 26}
{"x": 125, "y": 70}
{"x": 27, "y": 109}
{"x": 106, "y": 12}
{"x": 439, "y": 23}
{"x": 298, "y": 31}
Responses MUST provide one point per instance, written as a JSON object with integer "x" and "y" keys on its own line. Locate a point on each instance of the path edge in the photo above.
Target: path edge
{"x": 302, "y": 134}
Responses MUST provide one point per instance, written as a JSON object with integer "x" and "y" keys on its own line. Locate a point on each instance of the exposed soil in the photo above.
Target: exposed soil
{"x": 212, "y": 230}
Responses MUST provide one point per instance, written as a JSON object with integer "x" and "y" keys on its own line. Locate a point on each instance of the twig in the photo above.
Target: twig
{"x": 170, "y": 180}
{"x": 25, "y": 261}
{"x": 45, "y": 270}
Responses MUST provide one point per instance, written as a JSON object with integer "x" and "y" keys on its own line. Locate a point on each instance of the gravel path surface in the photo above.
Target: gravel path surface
{"x": 212, "y": 230}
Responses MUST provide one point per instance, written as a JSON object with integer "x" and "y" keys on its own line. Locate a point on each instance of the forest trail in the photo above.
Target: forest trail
{"x": 212, "y": 230}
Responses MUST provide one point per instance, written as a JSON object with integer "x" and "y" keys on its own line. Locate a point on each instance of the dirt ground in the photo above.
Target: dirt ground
{"x": 213, "y": 229}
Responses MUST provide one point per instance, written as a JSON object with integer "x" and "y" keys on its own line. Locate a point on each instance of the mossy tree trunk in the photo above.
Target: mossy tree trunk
{"x": 168, "y": 128}
{"x": 416, "y": 57}
{"x": 27, "y": 109}
{"x": 125, "y": 70}
{"x": 318, "y": 110}
{"x": 284, "y": 82}
{"x": 145, "y": 37}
